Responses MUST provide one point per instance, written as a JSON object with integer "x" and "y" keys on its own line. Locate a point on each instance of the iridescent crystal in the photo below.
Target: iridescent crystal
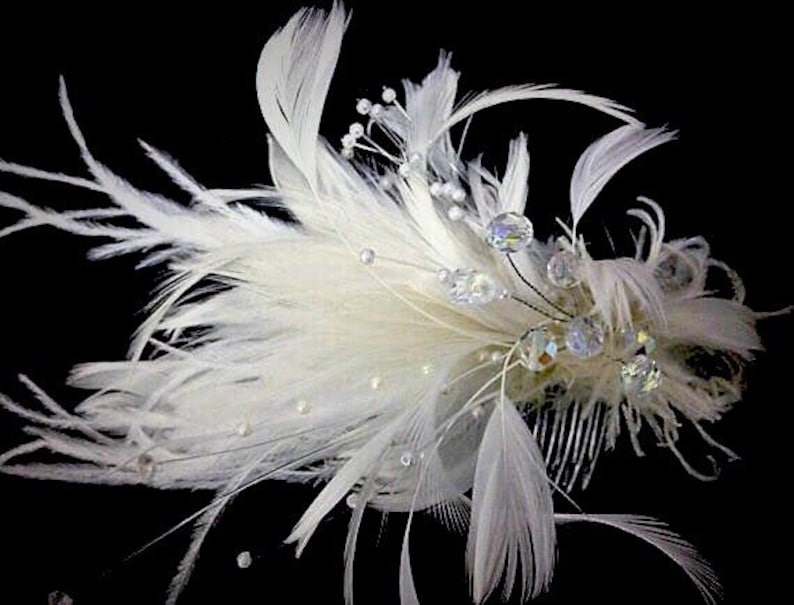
{"x": 470, "y": 287}
{"x": 635, "y": 340}
{"x": 640, "y": 375}
{"x": 584, "y": 336}
{"x": 538, "y": 349}
{"x": 563, "y": 269}
{"x": 509, "y": 232}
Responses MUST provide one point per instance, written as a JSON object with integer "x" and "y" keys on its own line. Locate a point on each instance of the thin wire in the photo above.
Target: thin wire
{"x": 536, "y": 290}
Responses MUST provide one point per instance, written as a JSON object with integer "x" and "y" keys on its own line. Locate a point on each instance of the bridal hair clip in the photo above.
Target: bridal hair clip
{"x": 405, "y": 334}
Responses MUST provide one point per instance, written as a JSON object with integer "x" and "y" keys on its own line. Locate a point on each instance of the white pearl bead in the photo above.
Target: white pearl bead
{"x": 364, "y": 106}
{"x": 455, "y": 212}
{"x": 244, "y": 560}
{"x": 367, "y": 256}
{"x": 375, "y": 382}
{"x": 356, "y": 130}
{"x": 303, "y": 407}
{"x": 389, "y": 95}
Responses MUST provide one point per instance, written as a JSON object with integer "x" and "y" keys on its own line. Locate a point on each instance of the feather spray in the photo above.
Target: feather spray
{"x": 403, "y": 337}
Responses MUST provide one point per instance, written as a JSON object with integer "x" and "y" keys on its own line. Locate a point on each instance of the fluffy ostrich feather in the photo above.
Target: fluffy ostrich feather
{"x": 380, "y": 340}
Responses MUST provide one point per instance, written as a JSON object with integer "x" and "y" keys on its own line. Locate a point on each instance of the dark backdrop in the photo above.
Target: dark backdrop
{"x": 185, "y": 83}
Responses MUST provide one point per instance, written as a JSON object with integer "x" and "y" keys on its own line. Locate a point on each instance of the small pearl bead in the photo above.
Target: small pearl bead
{"x": 436, "y": 189}
{"x": 244, "y": 429}
{"x": 443, "y": 275}
{"x": 455, "y": 213}
{"x": 375, "y": 382}
{"x": 496, "y": 356}
{"x": 367, "y": 256}
{"x": 348, "y": 141}
{"x": 458, "y": 195}
{"x": 483, "y": 355}
{"x": 447, "y": 189}
{"x": 389, "y": 95}
{"x": 364, "y": 106}
{"x": 427, "y": 369}
{"x": 477, "y": 412}
{"x": 303, "y": 407}
{"x": 356, "y": 130}
{"x": 244, "y": 560}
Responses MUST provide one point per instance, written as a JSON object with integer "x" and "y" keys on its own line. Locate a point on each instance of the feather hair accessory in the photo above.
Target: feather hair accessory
{"x": 404, "y": 337}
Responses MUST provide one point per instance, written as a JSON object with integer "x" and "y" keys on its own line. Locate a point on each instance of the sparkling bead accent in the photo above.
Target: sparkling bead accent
{"x": 388, "y": 95}
{"x": 635, "y": 340}
{"x": 538, "y": 349}
{"x": 364, "y": 106}
{"x": 563, "y": 269}
{"x": 585, "y": 336}
{"x": 244, "y": 560}
{"x": 356, "y": 130}
{"x": 444, "y": 275}
{"x": 406, "y": 459}
{"x": 509, "y": 232}
{"x": 367, "y": 256}
{"x": 303, "y": 407}
{"x": 146, "y": 466}
{"x": 375, "y": 382}
{"x": 348, "y": 141}
{"x": 455, "y": 213}
{"x": 244, "y": 429}
{"x": 470, "y": 287}
{"x": 640, "y": 375}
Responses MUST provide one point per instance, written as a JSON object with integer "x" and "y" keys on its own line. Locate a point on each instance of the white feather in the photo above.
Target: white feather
{"x": 292, "y": 80}
{"x": 512, "y": 527}
{"x": 656, "y": 533}
{"x": 604, "y": 158}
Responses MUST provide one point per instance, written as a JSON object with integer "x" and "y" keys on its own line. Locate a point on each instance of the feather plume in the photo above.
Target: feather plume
{"x": 397, "y": 337}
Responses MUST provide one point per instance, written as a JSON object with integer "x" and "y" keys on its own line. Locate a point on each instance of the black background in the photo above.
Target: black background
{"x": 184, "y": 83}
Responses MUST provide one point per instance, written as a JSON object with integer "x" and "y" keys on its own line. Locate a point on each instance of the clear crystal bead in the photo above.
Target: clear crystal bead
{"x": 406, "y": 458}
{"x": 563, "y": 269}
{"x": 470, "y": 287}
{"x": 640, "y": 375}
{"x": 639, "y": 339}
{"x": 538, "y": 349}
{"x": 509, "y": 232}
{"x": 585, "y": 336}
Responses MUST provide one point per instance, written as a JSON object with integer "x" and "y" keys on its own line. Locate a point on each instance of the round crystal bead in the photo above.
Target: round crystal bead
{"x": 640, "y": 375}
{"x": 538, "y": 349}
{"x": 509, "y": 232}
{"x": 470, "y": 287}
{"x": 563, "y": 269}
{"x": 585, "y": 336}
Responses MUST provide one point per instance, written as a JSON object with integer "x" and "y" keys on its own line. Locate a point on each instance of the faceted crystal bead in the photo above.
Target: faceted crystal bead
{"x": 509, "y": 232}
{"x": 640, "y": 375}
{"x": 563, "y": 269}
{"x": 584, "y": 337}
{"x": 470, "y": 287}
{"x": 538, "y": 349}
{"x": 636, "y": 340}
